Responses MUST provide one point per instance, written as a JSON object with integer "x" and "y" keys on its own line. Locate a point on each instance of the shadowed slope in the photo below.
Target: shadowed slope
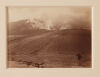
{"x": 55, "y": 48}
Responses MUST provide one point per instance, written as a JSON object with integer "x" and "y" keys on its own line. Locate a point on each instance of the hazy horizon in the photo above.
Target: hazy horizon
{"x": 51, "y": 15}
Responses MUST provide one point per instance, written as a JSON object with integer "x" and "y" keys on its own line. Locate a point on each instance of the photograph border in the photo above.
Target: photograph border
{"x": 7, "y": 72}
{"x": 16, "y": 6}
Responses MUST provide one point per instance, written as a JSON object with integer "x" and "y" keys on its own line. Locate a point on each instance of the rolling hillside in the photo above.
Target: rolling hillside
{"x": 53, "y": 48}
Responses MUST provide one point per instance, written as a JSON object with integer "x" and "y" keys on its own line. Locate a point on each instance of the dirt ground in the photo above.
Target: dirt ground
{"x": 50, "y": 50}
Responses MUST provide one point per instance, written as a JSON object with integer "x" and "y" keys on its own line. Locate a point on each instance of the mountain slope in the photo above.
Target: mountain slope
{"x": 54, "y": 48}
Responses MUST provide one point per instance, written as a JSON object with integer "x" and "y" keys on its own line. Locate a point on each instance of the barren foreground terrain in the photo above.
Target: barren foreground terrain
{"x": 50, "y": 49}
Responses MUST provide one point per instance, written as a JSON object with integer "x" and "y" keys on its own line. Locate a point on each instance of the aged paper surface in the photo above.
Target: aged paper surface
{"x": 48, "y": 72}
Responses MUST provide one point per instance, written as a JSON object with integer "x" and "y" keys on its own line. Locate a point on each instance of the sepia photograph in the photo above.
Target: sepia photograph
{"x": 49, "y": 37}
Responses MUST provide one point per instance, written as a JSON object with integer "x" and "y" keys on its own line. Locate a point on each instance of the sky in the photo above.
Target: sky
{"x": 51, "y": 14}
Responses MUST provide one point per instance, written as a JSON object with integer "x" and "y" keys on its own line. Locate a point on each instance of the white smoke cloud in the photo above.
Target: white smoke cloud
{"x": 66, "y": 15}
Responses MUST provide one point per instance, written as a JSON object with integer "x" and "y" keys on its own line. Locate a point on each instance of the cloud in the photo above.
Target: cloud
{"x": 51, "y": 15}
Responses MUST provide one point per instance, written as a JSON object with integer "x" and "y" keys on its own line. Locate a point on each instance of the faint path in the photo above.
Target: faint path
{"x": 30, "y": 38}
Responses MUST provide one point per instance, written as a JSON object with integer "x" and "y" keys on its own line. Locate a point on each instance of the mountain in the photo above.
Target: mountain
{"x": 54, "y": 48}
{"x": 24, "y": 27}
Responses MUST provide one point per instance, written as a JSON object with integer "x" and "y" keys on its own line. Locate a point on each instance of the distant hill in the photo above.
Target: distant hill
{"x": 19, "y": 28}
{"x": 24, "y": 27}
